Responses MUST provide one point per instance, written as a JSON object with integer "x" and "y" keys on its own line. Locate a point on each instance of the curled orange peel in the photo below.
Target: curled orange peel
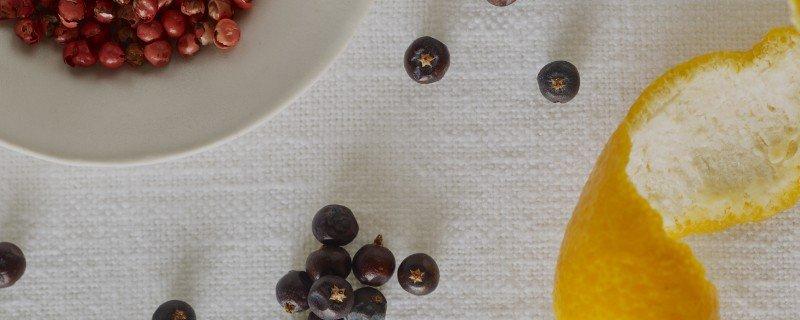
{"x": 710, "y": 144}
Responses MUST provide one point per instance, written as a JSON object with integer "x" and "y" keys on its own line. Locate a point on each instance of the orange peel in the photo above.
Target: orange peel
{"x": 710, "y": 144}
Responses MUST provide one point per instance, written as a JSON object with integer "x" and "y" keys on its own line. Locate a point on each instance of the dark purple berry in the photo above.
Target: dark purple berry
{"x": 312, "y": 316}
{"x": 331, "y": 298}
{"x": 418, "y": 274}
{"x": 370, "y": 304}
{"x": 559, "y": 81}
{"x": 174, "y": 310}
{"x": 501, "y": 3}
{"x": 426, "y": 60}
{"x": 292, "y": 291}
{"x": 334, "y": 225}
{"x": 12, "y": 264}
{"x": 373, "y": 264}
{"x": 328, "y": 261}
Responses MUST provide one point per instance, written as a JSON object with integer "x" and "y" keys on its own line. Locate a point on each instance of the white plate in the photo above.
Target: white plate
{"x": 142, "y": 116}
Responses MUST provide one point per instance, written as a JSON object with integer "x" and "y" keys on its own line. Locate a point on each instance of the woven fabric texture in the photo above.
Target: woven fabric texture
{"x": 477, "y": 170}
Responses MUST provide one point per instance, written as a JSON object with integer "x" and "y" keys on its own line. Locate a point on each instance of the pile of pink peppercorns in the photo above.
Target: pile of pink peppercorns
{"x": 113, "y": 32}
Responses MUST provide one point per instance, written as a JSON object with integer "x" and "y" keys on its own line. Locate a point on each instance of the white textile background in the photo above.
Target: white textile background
{"x": 476, "y": 170}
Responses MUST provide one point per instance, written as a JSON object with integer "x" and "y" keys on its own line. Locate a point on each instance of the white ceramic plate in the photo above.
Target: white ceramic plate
{"x": 142, "y": 116}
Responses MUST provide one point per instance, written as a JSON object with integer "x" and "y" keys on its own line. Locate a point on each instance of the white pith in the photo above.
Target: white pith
{"x": 720, "y": 142}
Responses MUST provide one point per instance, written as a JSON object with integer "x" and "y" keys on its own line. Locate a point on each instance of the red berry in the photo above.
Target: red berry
{"x": 220, "y": 9}
{"x": 134, "y": 54}
{"x": 193, "y": 8}
{"x": 64, "y": 35}
{"x": 12, "y": 9}
{"x": 146, "y": 10}
{"x": 104, "y": 11}
{"x": 7, "y": 9}
{"x": 26, "y": 8}
{"x": 49, "y": 22}
{"x": 71, "y": 12}
{"x": 158, "y": 53}
{"x": 150, "y": 31}
{"x": 94, "y": 32}
{"x": 29, "y": 30}
{"x": 187, "y": 45}
{"x": 48, "y": 4}
{"x": 174, "y": 23}
{"x": 227, "y": 34}
{"x": 204, "y": 32}
{"x": 243, "y": 4}
{"x": 126, "y": 34}
{"x": 111, "y": 55}
{"x": 164, "y": 3}
{"x": 78, "y": 54}
{"x": 127, "y": 14}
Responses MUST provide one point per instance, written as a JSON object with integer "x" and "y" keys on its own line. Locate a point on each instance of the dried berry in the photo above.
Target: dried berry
{"x": 334, "y": 225}
{"x": 63, "y": 35}
{"x": 12, "y": 9}
{"x": 204, "y": 31}
{"x": 164, "y": 3}
{"x": 418, "y": 274}
{"x": 150, "y": 31}
{"x": 219, "y": 9}
{"x": 193, "y": 7}
{"x": 78, "y": 54}
{"x": 312, "y": 316}
{"x": 12, "y": 264}
{"x": 29, "y": 30}
{"x": 71, "y": 12}
{"x": 292, "y": 291}
{"x": 369, "y": 304}
{"x": 104, "y": 11}
{"x": 227, "y": 34}
{"x": 174, "y": 310}
{"x": 111, "y": 55}
{"x": 134, "y": 55}
{"x": 559, "y": 81}
{"x": 501, "y": 3}
{"x": 373, "y": 264}
{"x": 426, "y": 60}
{"x": 187, "y": 45}
{"x": 94, "y": 32}
{"x": 243, "y": 4}
{"x": 158, "y": 53}
{"x": 145, "y": 10}
{"x": 128, "y": 14}
{"x": 331, "y": 298}
{"x": 126, "y": 34}
{"x": 49, "y": 23}
{"x": 328, "y": 261}
{"x": 174, "y": 23}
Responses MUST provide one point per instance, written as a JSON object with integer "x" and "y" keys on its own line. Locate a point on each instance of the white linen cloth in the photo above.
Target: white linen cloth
{"x": 477, "y": 170}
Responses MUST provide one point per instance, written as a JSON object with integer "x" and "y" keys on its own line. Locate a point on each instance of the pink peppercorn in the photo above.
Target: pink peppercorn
{"x": 174, "y": 23}
{"x": 158, "y": 53}
{"x": 227, "y": 34}
{"x": 187, "y": 45}
{"x": 104, "y": 11}
{"x": 146, "y": 10}
{"x": 29, "y": 30}
{"x": 220, "y": 9}
{"x": 150, "y": 31}
{"x": 111, "y": 55}
{"x": 78, "y": 54}
{"x": 71, "y": 12}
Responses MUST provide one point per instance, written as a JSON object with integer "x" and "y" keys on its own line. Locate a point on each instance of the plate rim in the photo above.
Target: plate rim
{"x": 328, "y": 59}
